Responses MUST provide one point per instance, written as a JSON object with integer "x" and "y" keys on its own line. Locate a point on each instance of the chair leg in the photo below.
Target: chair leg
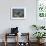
{"x": 5, "y": 43}
{"x": 5, "y": 40}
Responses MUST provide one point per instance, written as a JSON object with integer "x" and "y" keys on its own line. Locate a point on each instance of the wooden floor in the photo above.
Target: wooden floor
{"x": 13, "y": 44}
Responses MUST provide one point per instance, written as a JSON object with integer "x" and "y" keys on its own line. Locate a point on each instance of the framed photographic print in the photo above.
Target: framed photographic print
{"x": 41, "y": 9}
{"x": 18, "y": 13}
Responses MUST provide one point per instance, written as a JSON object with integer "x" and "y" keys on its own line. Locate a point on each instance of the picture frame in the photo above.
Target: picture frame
{"x": 18, "y": 13}
{"x": 41, "y": 9}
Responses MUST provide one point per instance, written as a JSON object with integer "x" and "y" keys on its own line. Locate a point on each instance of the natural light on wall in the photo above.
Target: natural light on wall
{"x": 41, "y": 9}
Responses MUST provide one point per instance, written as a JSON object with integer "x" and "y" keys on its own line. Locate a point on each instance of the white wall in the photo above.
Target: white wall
{"x": 24, "y": 25}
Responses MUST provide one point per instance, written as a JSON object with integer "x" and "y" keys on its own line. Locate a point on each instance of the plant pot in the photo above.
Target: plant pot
{"x": 40, "y": 40}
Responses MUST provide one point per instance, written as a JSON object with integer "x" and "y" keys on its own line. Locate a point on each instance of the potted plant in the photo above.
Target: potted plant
{"x": 39, "y": 35}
